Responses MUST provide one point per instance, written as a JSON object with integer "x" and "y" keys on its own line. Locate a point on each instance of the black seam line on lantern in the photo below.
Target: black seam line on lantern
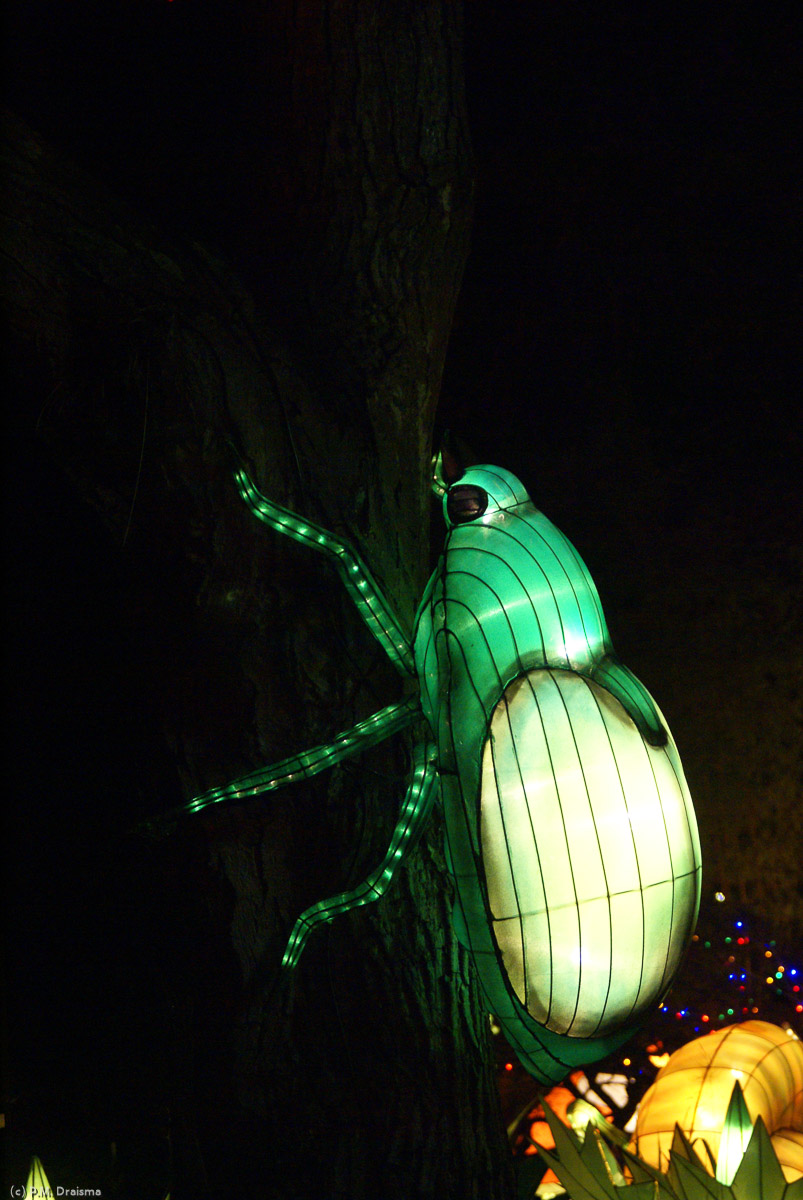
{"x": 628, "y": 684}
{"x": 501, "y": 480}
{"x": 445, "y": 718}
{"x": 501, "y": 809}
{"x": 472, "y": 840}
{"x": 772, "y": 1046}
{"x": 541, "y": 1053}
{"x": 497, "y": 950}
{"x": 689, "y": 839}
{"x": 706, "y": 1071}
{"x": 787, "y": 1066}
{"x": 472, "y": 837}
{"x": 572, "y": 865}
{"x": 426, "y": 605}
{"x": 499, "y": 691}
{"x": 673, "y": 876}
{"x": 524, "y": 592}
{"x": 623, "y": 892}
{"x": 729, "y": 1032}
{"x": 575, "y": 906}
{"x": 583, "y": 569}
{"x": 500, "y": 531}
{"x": 603, "y": 722}
{"x": 534, "y": 697}
{"x": 444, "y": 631}
{"x": 663, "y": 750}
{"x": 592, "y": 590}
{"x": 503, "y": 609}
{"x": 613, "y": 676}
{"x": 526, "y": 1055}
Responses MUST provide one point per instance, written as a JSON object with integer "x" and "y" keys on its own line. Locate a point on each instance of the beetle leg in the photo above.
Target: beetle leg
{"x": 371, "y": 604}
{"x": 415, "y": 810}
{"x": 352, "y": 741}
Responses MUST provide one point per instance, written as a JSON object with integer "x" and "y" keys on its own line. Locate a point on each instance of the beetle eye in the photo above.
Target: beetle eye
{"x": 465, "y": 502}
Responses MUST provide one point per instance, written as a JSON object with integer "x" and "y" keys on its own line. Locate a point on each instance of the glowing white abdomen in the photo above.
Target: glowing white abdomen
{"x": 590, "y": 854}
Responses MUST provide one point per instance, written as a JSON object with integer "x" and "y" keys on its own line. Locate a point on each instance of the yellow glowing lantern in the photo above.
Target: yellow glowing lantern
{"x": 694, "y": 1091}
{"x": 788, "y": 1147}
{"x": 37, "y": 1184}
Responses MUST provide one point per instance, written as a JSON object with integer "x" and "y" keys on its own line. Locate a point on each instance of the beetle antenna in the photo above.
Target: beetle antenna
{"x": 451, "y": 459}
{"x": 446, "y": 465}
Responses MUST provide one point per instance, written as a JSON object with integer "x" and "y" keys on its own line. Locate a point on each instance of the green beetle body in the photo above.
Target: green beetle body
{"x": 570, "y": 832}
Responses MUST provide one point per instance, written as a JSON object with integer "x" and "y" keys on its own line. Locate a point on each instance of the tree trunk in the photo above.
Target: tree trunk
{"x": 370, "y": 1074}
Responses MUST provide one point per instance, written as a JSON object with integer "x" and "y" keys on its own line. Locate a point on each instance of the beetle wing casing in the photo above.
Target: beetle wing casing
{"x": 588, "y": 852}
{"x": 571, "y": 839}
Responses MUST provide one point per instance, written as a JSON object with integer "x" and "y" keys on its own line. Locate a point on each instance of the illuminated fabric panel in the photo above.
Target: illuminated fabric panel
{"x": 588, "y": 854}
{"x": 788, "y": 1147}
{"x": 574, "y": 908}
{"x": 528, "y": 586}
{"x": 509, "y": 593}
{"x": 37, "y": 1184}
{"x": 694, "y": 1088}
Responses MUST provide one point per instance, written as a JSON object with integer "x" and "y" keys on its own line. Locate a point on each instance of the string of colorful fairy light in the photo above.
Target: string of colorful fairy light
{"x": 763, "y": 986}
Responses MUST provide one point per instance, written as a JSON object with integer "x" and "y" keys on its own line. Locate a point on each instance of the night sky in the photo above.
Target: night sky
{"x": 626, "y": 342}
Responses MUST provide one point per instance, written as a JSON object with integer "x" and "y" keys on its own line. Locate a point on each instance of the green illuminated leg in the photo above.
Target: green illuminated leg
{"x": 302, "y": 766}
{"x": 364, "y": 591}
{"x": 415, "y": 810}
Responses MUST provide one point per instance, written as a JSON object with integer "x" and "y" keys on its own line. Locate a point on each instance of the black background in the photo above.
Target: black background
{"x": 625, "y": 341}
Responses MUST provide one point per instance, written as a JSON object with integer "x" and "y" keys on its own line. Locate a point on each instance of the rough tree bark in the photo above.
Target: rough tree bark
{"x": 372, "y": 1076}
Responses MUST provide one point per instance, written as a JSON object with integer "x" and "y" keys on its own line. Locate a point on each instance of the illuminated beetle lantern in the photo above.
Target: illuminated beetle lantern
{"x": 570, "y": 834}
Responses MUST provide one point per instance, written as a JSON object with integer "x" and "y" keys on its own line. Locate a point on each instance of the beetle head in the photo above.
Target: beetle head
{"x": 481, "y": 492}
